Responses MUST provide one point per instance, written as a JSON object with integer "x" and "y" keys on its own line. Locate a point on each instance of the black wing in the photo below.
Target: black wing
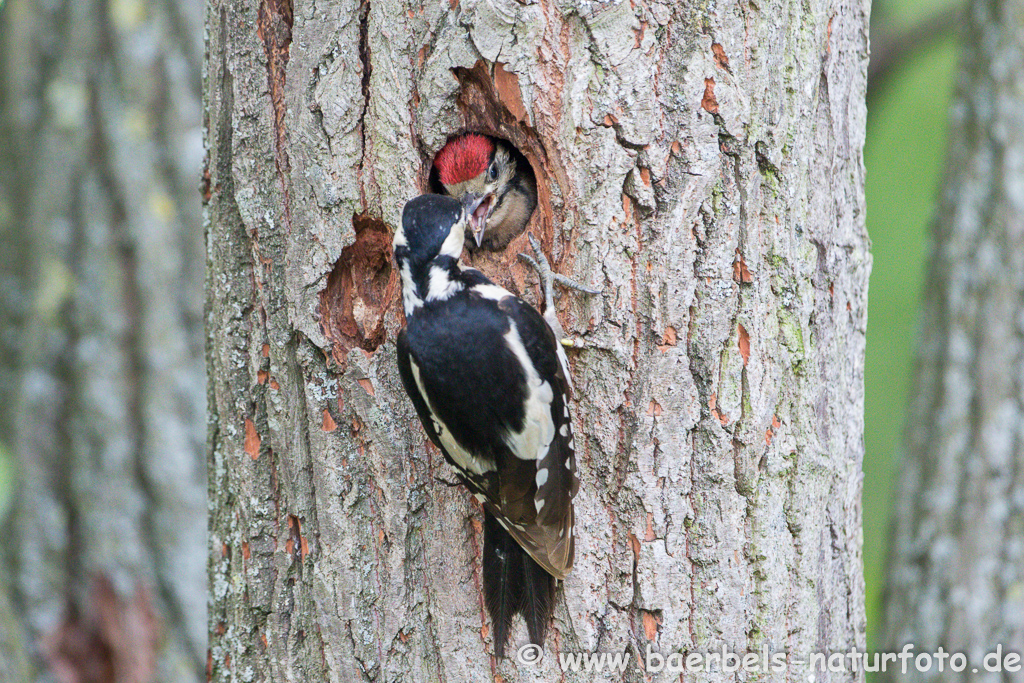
{"x": 545, "y": 528}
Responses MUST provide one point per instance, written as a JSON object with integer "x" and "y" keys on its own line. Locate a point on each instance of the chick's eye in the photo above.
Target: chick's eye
{"x": 493, "y": 171}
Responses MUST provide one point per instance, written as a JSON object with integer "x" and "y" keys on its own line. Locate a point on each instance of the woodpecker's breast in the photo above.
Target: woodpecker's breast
{"x": 472, "y": 380}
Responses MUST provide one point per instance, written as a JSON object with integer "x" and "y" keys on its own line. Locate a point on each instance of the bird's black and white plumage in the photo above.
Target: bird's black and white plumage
{"x": 488, "y": 381}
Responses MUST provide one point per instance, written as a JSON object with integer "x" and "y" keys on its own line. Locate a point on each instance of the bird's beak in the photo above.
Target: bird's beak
{"x": 478, "y": 209}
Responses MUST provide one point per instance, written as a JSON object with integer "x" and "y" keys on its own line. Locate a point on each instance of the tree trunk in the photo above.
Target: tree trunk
{"x": 703, "y": 168}
{"x": 102, "y": 394}
{"x": 956, "y": 568}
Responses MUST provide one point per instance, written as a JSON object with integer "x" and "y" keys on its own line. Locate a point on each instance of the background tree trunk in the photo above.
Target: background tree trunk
{"x": 703, "y": 167}
{"x": 102, "y": 397}
{"x": 956, "y": 572}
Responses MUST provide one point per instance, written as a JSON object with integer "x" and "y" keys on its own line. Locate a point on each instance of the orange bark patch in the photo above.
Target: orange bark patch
{"x": 296, "y": 544}
{"x": 740, "y": 272}
{"x": 329, "y": 425}
{"x": 506, "y": 83}
{"x": 720, "y": 57}
{"x": 653, "y": 408}
{"x": 770, "y": 433}
{"x": 261, "y": 376}
{"x": 668, "y": 339}
{"x": 709, "y": 102}
{"x": 744, "y": 343}
{"x": 715, "y": 413}
{"x": 651, "y": 623}
{"x": 252, "y": 440}
{"x": 367, "y": 386}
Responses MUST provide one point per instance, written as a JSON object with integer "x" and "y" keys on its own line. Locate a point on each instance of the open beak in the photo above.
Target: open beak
{"x": 478, "y": 208}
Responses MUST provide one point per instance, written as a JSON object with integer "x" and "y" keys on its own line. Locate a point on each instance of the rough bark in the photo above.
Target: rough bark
{"x": 103, "y": 392}
{"x": 702, "y": 165}
{"x": 957, "y": 561}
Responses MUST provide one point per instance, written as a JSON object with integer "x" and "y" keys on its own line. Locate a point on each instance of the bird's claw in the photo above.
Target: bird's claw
{"x": 549, "y": 277}
{"x": 575, "y": 285}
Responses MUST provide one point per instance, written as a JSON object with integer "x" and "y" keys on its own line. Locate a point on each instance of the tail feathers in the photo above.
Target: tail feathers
{"x": 514, "y": 584}
{"x": 538, "y": 598}
{"x": 503, "y": 591}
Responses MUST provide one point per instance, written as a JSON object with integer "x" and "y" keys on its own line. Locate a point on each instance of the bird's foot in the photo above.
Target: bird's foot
{"x": 449, "y": 484}
{"x": 549, "y": 277}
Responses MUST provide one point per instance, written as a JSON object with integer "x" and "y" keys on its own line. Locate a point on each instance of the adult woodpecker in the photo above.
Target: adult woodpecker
{"x": 494, "y": 181}
{"x": 489, "y": 383}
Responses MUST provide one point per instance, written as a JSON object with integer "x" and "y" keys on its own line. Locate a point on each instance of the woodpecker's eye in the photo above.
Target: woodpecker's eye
{"x": 492, "y": 172}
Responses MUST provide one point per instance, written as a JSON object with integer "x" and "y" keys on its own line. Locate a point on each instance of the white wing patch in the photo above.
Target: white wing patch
{"x": 464, "y": 458}
{"x": 533, "y": 442}
{"x": 563, "y": 361}
{"x": 491, "y": 291}
{"x": 542, "y": 476}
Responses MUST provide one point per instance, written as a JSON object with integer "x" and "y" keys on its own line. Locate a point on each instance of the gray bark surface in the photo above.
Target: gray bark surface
{"x": 703, "y": 166}
{"x": 103, "y": 392}
{"x": 956, "y": 572}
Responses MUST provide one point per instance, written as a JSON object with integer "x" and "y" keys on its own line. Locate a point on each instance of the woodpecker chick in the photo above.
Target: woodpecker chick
{"x": 494, "y": 181}
{"x": 485, "y": 374}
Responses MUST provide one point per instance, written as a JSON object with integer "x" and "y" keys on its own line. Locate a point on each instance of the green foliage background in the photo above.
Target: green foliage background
{"x": 904, "y": 155}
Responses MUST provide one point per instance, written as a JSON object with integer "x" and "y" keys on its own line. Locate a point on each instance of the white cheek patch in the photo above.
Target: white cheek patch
{"x": 452, "y": 245}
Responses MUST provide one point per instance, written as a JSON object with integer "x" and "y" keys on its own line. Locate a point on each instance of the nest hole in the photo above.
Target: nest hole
{"x": 490, "y": 102}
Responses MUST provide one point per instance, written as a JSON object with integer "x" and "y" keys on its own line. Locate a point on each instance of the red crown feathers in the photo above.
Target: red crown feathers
{"x": 464, "y": 158}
